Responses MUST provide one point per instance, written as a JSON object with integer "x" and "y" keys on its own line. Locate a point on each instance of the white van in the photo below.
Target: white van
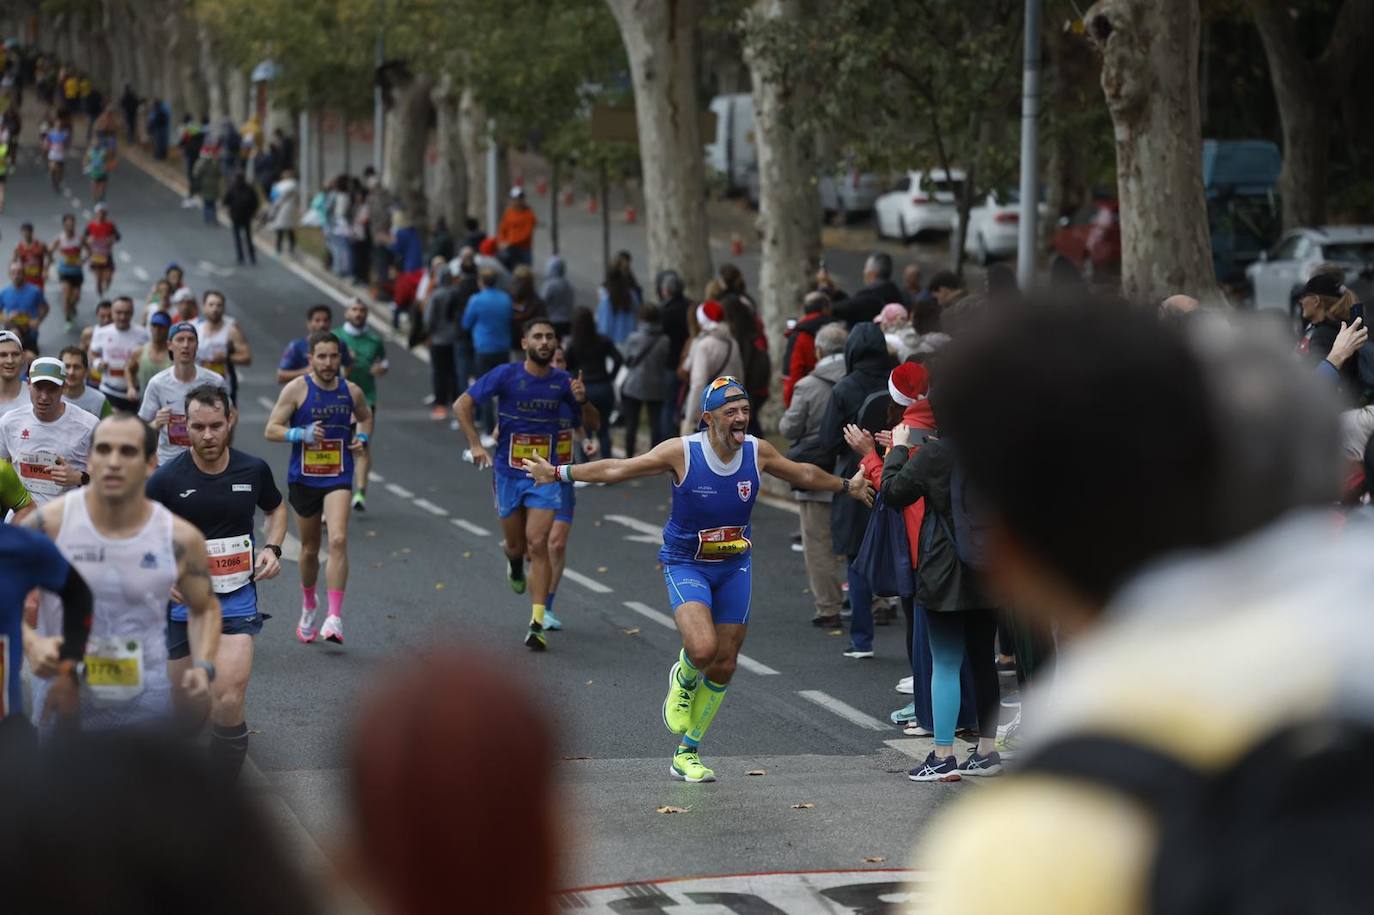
{"x": 731, "y": 153}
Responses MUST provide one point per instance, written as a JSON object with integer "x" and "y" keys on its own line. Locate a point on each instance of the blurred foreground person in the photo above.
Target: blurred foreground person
{"x": 1206, "y": 600}
{"x": 444, "y": 823}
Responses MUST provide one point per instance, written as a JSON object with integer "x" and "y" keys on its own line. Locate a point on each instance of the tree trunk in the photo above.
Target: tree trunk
{"x": 1149, "y": 76}
{"x": 407, "y": 134}
{"x": 236, "y": 89}
{"x": 451, "y": 176}
{"x": 214, "y": 85}
{"x": 660, "y": 40}
{"x": 789, "y": 219}
{"x": 472, "y": 132}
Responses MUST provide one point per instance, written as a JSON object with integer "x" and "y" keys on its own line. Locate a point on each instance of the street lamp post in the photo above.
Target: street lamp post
{"x": 378, "y": 97}
{"x": 1027, "y": 245}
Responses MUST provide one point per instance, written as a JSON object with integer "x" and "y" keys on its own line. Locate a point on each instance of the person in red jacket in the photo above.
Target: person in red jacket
{"x": 800, "y": 358}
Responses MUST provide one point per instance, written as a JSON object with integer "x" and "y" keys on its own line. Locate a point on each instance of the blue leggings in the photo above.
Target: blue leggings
{"x": 951, "y": 636}
{"x": 918, "y": 651}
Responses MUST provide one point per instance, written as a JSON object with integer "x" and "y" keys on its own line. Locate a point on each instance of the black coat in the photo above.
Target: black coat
{"x": 867, "y": 365}
{"x": 242, "y": 202}
{"x": 865, "y": 304}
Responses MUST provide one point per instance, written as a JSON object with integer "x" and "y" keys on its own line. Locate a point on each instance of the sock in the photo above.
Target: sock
{"x": 517, "y": 567}
{"x": 228, "y": 747}
{"x": 704, "y": 707}
{"x": 548, "y": 602}
{"x": 537, "y": 614}
{"x": 686, "y": 673}
{"x": 309, "y": 600}
{"x": 335, "y": 601}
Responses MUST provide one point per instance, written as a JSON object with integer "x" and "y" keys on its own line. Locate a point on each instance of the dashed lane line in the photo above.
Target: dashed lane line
{"x": 126, "y": 258}
{"x": 586, "y": 581}
{"x": 426, "y": 505}
{"x": 663, "y": 619}
{"x": 843, "y": 709}
{"x": 141, "y": 275}
{"x": 399, "y": 491}
{"x": 267, "y": 405}
{"x": 474, "y": 529}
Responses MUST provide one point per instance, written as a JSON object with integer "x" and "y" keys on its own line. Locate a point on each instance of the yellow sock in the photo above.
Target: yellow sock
{"x": 539, "y": 614}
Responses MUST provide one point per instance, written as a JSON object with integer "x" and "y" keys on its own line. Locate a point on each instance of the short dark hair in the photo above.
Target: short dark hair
{"x": 315, "y": 309}
{"x": 103, "y": 303}
{"x": 534, "y": 322}
{"x": 648, "y": 313}
{"x": 321, "y": 336}
{"x": 76, "y": 351}
{"x": 945, "y": 279}
{"x": 487, "y": 277}
{"x": 205, "y": 297}
{"x": 882, "y": 264}
{"x": 208, "y": 395}
{"x": 124, "y": 298}
{"x": 149, "y": 433}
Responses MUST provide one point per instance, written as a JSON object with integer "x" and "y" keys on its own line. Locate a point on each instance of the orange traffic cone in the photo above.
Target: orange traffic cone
{"x": 541, "y": 187}
{"x": 569, "y": 197}
{"x": 630, "y": 214}
{"x": 592, "y": 204}
{"x": 736, "y": 245}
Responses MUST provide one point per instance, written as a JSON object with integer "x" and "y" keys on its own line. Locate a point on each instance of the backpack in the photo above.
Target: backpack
{"x": 970, "y": 520}
{"x": 1272, "y": 833}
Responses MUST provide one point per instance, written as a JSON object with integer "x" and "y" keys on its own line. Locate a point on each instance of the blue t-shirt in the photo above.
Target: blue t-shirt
{"x": 296, "y": 356}
{"x": 487, "y": 317}
{"x": 712, "y": 506}
{"x": 530, "y": 415}
{"x": 27, "y": 560}
{"x": 25, "y": 298}
{"x": 409, "y": 251}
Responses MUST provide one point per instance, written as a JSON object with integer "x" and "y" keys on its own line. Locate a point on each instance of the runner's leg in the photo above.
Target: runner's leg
{"x": 558, "y": 556}
{"x": 336, "y": 576}
{"x": 310, "y": 530}
{"x": 513, "y": 543}
{"x": 229, "y": 737}
{"x": 537, "y": 524}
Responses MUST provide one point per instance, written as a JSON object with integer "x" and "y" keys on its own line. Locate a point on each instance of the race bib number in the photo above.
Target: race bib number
{"x": 719, "y": 543}
{"x": 176, "y": 431}
{"x": 36, "y": 469}
{"x": 322, "y": 459}
{"x": 527, "y": 447}
{"x": 563, "y": 447}
{"x": 114, "y": 668}
{"x": 100, "y": 260}
{"x": 231, "y": 562}
{"x": 19, "y": 320}
{"x": 114, "y": 371}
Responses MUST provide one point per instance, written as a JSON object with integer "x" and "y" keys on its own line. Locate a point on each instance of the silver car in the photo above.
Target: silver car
{"x": 1279, "y": 273}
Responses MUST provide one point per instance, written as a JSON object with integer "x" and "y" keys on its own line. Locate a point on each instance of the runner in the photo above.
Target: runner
{"x": 164, "y": 396}
{"x": 532, "y": 395}
{"x": 567, "y": 493}
{"x": 55, "y": 140}
{"x": 706, "y": 551}
{"x": 315, "y": 413}
{"x": 369, "y": 363}
{"x": 77, "y": 392}
{"x": 69, "y": 250}
{"x": 110, "y": 349}
{"x": 32, "y": 255}
{"x": 133, "y": 552}
{"x": 14, "y": 391}
{"x": 8, "y": 143}
{"x": 48, "y": 441}
{"x": 219, "y": 489}
{"x": 103, "y": 315}
{"x": 222, "y": 342}
{"x": 100, "y": 237}
{"x": 295, "y": 359}
{"x": 99, "y": 161}
{"x": 23, "y": 308}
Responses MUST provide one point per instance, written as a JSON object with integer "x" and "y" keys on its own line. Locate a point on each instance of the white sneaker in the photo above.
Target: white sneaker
{"x": 488, "y": 442}
{"x": 904, "y": 686}
{"x": 856, "y": 653}
{"x": 332, "y": 630}
{"x": 915, "y": 730}
{"x": 305, "y": 629}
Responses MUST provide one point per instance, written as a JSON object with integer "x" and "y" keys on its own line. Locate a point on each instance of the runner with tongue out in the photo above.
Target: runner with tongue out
{"x": 706, "y": 549}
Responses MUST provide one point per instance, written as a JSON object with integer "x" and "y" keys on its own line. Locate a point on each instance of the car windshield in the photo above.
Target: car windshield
{"x": 1350, "y": 252}
{"x": 945, "y": 187}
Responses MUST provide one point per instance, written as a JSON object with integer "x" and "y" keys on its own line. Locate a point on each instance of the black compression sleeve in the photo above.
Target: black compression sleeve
{"x": 76, "y": 617}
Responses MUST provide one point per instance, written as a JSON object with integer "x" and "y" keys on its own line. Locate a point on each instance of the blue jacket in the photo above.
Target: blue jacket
{"x": 409, "y": 251}
{"x": 488, "y": 318}
{"x": 616, "y": 324}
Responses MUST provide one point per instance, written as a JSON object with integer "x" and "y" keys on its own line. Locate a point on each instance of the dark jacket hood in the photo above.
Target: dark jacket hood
{"x": 555, "y": 268}
{"x": 866, "y": 349}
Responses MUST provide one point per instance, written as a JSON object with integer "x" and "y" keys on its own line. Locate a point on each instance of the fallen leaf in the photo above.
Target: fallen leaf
{"x": 634, "y": 631}
{"x": 836, "y": 632}
{"x": 372, "y": 533}
{"x": 673, "y": 809}
{"x": 467, "y": 555}
{"x": 757, "y": 772}
{"x": 602, "y": 569}
{"x": 806, "y": 806}
{"x": 874, "y": 859}
{"x": 439, "y": 586}
{"x": 391, "y": 616}
{"x": 577, "y": 757}
{"x": 590, "y": 682}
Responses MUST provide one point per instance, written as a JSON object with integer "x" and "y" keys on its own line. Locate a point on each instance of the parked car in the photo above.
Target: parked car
{"x": 921, "y": 202}
{"x": 1278, "y": 275}
{"x": 731, "y": 153}
{"x": 993, "y": 226}
{"x": 852, "y": 192}
{"x": 1091, "y": 238}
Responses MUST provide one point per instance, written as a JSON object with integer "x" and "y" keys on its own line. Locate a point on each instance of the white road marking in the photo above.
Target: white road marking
{"x": 268, "y": 405}
{"x": 141, "y": 275}
{"x": 664, "y": 619}
{"x": 843, "y": 709}
{"x": 429, "y": 506}
{"x": 586, "y": 581}
{"x": 214, "y": 269}
{"x": 375, "y": 477}
{"x": 473, "y": 528}
{"x": 643, "y": 527}
{"x": 125, "y": 258}
{"x": 86, "y": 215}
{"x": 399, "y": 491}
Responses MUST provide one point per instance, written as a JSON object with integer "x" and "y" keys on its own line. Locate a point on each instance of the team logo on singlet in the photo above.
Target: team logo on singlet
{"x": 744, "y": 488}
{"x": 149, "y": 561}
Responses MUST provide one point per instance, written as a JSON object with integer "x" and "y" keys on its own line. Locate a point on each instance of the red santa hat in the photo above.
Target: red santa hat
{"x": 710, "y": 313}
{"x": 908, "y": 383}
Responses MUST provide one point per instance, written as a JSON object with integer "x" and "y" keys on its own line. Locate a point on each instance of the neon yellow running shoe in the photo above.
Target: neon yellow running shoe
{"x": 677, "y": 706}
{"x": 687, "y": 767}
{"x": 534, "y": 638}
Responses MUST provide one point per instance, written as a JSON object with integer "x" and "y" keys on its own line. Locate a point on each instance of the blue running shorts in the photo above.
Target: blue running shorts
{"x": 722, "y": 586}
{"x": 513, "y": 492}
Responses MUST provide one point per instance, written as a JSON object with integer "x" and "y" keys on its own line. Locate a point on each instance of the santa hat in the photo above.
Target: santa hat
{"x": 710, "y": 313}
{"x": 908, "y": 383}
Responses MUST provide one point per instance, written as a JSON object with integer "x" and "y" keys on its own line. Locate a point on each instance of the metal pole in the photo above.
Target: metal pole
{"x": 304, "y": 173}
{"x": 378, "y": 97}
{"x": 1027, "y": 245}
{"x": 493, "y": 192}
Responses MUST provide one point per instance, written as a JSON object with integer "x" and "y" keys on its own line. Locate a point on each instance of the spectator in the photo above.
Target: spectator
{"x": 286, "y": 148}
{"x": 338, "y": 229}
{"x": 475, "y": 236}
{"x": 526, "y": 303}
{"x": 825, "y": 282}
{"x": 877, "y": 291}
{"x": 408, "y": 258}
{"x": 911, "y": 285}
{"x": 1176, "y": 306}
{"x": 675, "y": 310}
{"x": 230, "y": 146}
{"x": 209, "y": 181}
{"x": 285, "y": 209}
{"x": 801, "y": 423}
{"x": 159, "y": 127}
{"x": 623, "y": 262}
{"x": 373, "y": 228}
{"x": 464, "y": 356}
{"x": 713, "y": 352}
{"x": 265, "y": 169}
{"x": 753, "y": 346}
{"x": 440, "y": 242}
{"x": 733, "y": 280}
{"x": 648, "y": 358}
{"x": 1000, "y": 287}
{"x": 897, "y": 330}
{"x": 487, "y": 318}
{"x": 866, "y": 365}
{"x": 242, "y": 203}
{"x": 515, "y": 235}
{"x": 800, "y": 356}
{"x": 129, "y": 102}
{"x": 617, "y": 302}
{"x": 1327, "y": 304}
{"x": 559, "y": 298}
{"x": 189, "y": 141}
{"x": 593, "y": 357}
{"x": 945, "y": 288}
{"x": 442, "y": 324}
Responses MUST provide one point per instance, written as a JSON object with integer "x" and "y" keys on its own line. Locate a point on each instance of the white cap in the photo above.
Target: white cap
{"x": 182, "y": 295}
{"x": 517, "y": 191}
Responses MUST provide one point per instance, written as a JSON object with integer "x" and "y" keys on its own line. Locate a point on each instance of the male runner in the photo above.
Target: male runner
{"x": 706, "y": 551}
{"x": 110, "y": 349}
{"x": 100, "y": 237}
{"x": 295, "y": 359}
{"x": 14, "y": 391}
{"x": 99, "y": 160}
{"x": 219, "y": 489}
{"x": 567, "y": 493}
{"x": 132, "y": 552}
{"x": 532, "y": 393}
{"x": 222, "y": 342}
{"x": 368, "y": 350}
{"x": 315, "y": 413}
{"x": 164, "y": 396}
{"x": 32, "y": 255}
{"x": 48, "y": 441}
{"x": 23, "y": 308}
{"x": 77, "y": 392}
{"x": 147, "y": 359}
{"x": 104, "y": 314}
{"x": 69, "y": 250}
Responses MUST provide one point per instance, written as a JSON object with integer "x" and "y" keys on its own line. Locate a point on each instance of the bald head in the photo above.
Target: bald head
{"x": 1176, "y": 305}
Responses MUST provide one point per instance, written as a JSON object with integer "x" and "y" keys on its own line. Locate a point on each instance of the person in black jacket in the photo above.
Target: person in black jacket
{"x": 1327, "y": 306}
{"x": 242, "y": 202}
{"x": 878, "y": 290}
{"x": 672, "y": 308}
{"x": 867, "y": 365}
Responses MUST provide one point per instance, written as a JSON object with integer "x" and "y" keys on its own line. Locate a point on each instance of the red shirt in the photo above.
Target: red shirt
{"x": 32, "y": 255}
{"x": 101, "y": 236}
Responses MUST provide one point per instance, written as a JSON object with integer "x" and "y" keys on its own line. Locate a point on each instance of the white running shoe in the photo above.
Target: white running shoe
{"x": 305, "y": 629}
{"x": 332, "y": 630}
{"x": 904, "y": 686}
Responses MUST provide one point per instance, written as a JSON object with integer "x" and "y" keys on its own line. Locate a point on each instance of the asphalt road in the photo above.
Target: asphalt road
{"x": 426, "y": 565}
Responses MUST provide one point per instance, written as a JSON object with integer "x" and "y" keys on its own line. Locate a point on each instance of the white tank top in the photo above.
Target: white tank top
{"x": 130, "y": 581}
{"x": 212, "y": 350}
{"x": 114, "y": 346}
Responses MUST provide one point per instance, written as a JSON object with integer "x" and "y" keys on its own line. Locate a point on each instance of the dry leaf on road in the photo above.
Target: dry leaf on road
{"x": 439, "y": 586}
{"x": 673, "y": 809}
{"x": 634, "y": 631}
{"x": 602, "y": 569}
{"x": 757, "y": 772}
{"x": 806, "y": 806}
{"x": 874, "y": 859}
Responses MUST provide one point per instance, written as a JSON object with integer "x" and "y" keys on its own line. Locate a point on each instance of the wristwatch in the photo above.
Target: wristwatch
{"x": 844, "y": 481}
{"x": 208, "y": 667}
{"x": 273, "y": 547}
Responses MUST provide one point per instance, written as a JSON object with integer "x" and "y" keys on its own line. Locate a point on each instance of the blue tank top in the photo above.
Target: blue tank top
{"x": 712, "y": 505}
{"x": 328, "y": 463}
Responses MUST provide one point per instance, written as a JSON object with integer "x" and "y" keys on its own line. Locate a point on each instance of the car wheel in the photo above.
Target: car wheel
{"x": 877, "y": 225}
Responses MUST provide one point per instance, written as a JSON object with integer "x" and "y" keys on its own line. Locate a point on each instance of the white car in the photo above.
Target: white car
{"x": 846, "y": 193}
{"x": 993, "y": 226}
{"x": 921, "y": 202}
{"x": 1280, "y": 273}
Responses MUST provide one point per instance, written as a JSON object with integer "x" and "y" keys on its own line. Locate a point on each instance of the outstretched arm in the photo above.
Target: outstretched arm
{"x": 665, "y": 457}
{"x": 809, "y": 476}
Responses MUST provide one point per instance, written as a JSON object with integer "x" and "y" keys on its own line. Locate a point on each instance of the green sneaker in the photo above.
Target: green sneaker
{"x": 677, "y": 706}
{"x": 534, "y": 639}
{"x": 687, "y": 767}
{"x": 516, "y": 584}
{"x": 359, "y": 502}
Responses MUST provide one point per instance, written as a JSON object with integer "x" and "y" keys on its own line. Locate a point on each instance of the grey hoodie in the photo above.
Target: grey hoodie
{"x": 557, "y": 292}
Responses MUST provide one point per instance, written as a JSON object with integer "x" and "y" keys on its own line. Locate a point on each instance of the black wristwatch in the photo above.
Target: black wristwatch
{"x": 273, "y": 547}
{"x": 208, "y": 667}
